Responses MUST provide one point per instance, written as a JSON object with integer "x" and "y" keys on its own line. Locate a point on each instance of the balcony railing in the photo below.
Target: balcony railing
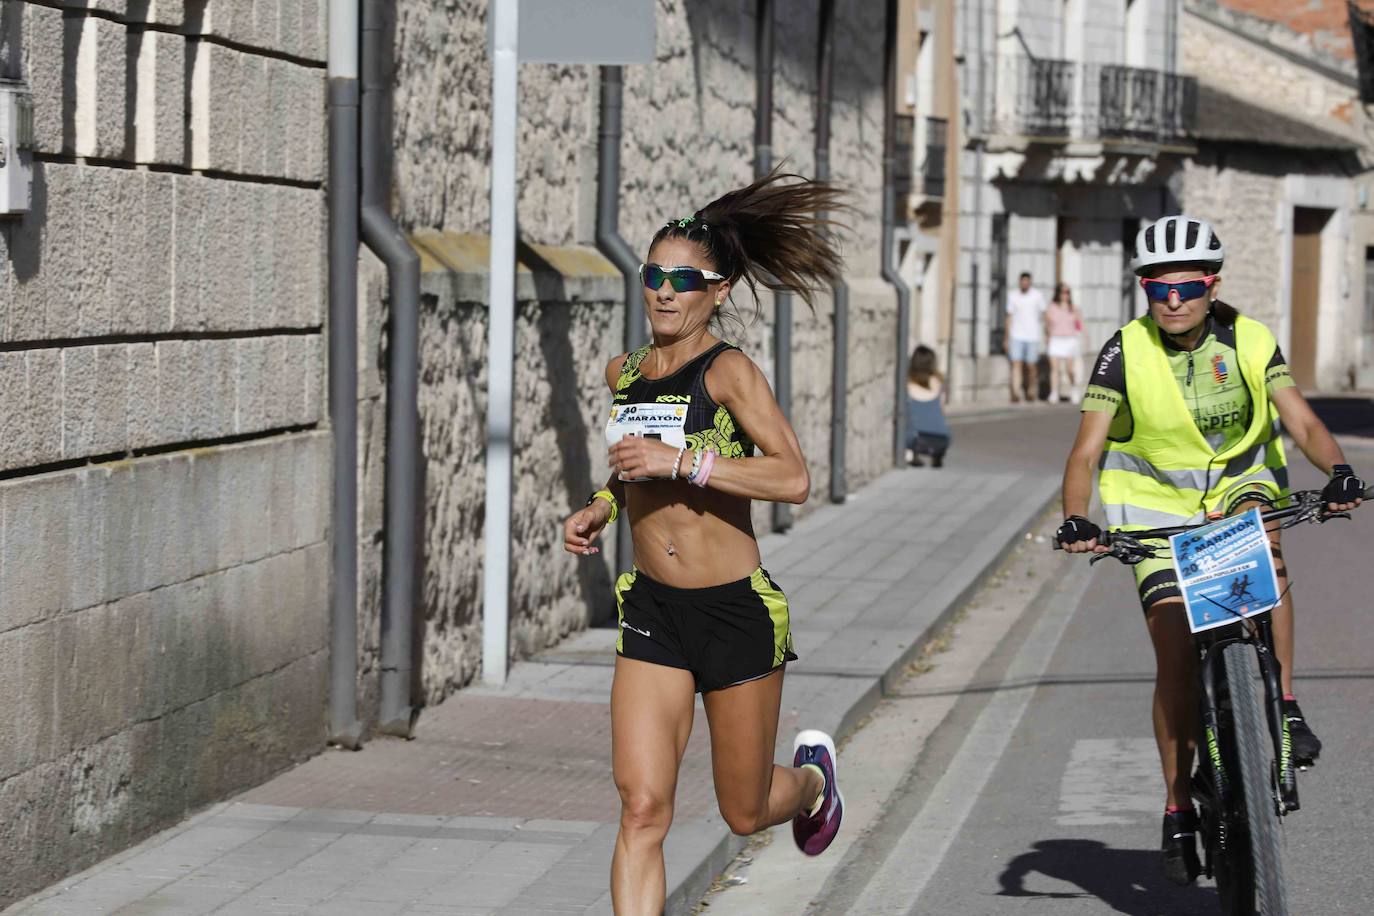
{"x": 933, "y": 157}
{"x": 1066, "y": 99}
{"x": 1036, "y": 96}
{"x": 1143, "y": 104}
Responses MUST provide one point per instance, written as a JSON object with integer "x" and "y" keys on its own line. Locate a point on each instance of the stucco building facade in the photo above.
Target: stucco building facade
{"x": 1077, "y": 121}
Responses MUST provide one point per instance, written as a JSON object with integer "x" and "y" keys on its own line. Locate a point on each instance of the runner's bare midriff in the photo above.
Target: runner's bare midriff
{"x": 689, "y": 537}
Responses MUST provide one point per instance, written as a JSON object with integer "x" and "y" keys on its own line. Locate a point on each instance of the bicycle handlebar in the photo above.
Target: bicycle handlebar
{"x": 1308, "y": 506}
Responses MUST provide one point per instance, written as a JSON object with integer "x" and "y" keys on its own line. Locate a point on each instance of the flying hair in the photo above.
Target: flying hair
{"x": 773, "y": 233}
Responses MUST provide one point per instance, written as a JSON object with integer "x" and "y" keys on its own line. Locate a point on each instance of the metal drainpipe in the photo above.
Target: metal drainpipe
{"x": 387, "y": 241}
{"x": 839, "y": 375}
{"x": 344, "y": 728}
{"x": 889, "y": 268}
{"x": 980, "y": 145}
{"x": 763, "y": 162}
{"x": 610, "y": 243}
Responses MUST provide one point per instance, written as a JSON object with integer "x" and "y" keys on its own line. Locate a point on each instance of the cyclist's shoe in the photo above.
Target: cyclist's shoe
{"x": 1307, "y": 747}
{"x": 815, "y": 829}
{"x": 1178, "y": 851}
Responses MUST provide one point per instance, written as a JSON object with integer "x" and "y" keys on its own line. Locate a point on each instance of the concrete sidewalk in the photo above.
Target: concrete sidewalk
{"x": 504, "y": 802}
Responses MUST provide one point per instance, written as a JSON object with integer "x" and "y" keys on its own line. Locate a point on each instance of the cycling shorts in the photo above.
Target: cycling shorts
{"x": 724, "y": 635}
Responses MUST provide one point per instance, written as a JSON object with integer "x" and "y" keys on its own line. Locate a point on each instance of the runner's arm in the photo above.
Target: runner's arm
{"x": 587, "y": 523}
{"x": 779, "y": 473}
{"x": 614, "y": 483}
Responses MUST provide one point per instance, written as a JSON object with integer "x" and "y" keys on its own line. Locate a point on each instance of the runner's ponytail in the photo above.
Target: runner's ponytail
{"x": 772, "y": 232}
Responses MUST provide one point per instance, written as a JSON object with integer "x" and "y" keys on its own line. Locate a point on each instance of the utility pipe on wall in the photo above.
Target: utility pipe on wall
{"x": 387, "y": 241}
{"x": 610, "y": 243}
{"x": 889, "y": 268}
{"x": 839, "y": 375}
{"x": 500, "y": 342}
{"x": 763, "y": 162}
{"x": 979, "y": 145}
{"x": 344, "y": 727}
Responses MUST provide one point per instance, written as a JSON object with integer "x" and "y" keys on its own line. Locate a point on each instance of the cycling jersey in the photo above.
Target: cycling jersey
{"x": 1207, "y": 378}
{"x": 1182, "y": 448}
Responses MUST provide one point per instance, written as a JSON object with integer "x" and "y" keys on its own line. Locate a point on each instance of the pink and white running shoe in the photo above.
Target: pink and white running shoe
{"x": 814, "y": 832}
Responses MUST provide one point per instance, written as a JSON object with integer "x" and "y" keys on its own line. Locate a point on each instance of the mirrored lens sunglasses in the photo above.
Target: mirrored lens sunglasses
{"x": 683, "y": 279}
{"x": 1158, "y": 290}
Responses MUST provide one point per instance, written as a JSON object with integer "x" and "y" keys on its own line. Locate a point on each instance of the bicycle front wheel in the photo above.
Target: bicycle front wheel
{"x": 1255, "y": 756}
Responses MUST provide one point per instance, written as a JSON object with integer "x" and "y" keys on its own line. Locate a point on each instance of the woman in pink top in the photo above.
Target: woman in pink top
{"x": 1064, "y": 324}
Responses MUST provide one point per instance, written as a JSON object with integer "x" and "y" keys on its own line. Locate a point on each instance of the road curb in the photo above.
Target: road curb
{"x": 685, "y": 894}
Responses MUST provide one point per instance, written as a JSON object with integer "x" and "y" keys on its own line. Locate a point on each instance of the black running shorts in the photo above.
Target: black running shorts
{"x": 724, "y": 635}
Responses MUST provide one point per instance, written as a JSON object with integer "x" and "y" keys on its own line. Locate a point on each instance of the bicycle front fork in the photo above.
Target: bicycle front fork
{"x": 1271, "y": 673}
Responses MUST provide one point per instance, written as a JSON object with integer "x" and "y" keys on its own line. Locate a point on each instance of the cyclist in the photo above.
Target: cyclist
{"x": 1180, "y": 416}
{"x": 698, "y": 612}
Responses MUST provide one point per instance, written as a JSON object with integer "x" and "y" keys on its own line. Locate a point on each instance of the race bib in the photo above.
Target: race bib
{"x": 1225, "y": 571}
{"x": 667, "y": 422}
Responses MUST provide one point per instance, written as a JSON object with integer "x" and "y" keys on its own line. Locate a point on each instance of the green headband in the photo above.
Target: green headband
{"x": 685, "y": 223}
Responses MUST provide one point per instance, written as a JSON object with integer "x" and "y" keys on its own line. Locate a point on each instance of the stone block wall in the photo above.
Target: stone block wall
{"x": 688, "y": 137}
{"x": 164, "y": 470}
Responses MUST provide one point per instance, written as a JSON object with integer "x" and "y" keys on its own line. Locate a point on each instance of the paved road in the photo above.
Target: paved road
{"x": 1039, "y": 792}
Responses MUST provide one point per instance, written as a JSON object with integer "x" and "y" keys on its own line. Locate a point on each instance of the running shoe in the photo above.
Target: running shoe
{"x": 1178, "y": 851}
{"x": 815, "y": 829}
{"x": 1307, "y": 747}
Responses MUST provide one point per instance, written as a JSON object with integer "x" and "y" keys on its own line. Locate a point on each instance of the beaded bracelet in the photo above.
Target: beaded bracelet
{"x": 678, "y": 463}
{"x": 696, "y": 464}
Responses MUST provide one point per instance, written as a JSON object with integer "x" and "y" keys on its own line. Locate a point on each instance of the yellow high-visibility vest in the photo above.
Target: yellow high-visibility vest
{"x": 1165, "y": 473}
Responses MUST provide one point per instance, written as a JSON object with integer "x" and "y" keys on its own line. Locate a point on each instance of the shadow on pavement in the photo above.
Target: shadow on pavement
{"x": 1127, "y": 880}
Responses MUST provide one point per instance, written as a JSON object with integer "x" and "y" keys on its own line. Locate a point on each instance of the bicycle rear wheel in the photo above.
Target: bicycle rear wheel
{"x": 1255, "y": 780}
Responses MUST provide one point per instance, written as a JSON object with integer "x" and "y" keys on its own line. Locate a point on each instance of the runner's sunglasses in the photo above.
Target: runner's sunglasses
{"x": 1158, "y": 290}
{"x": 683, "y": 279}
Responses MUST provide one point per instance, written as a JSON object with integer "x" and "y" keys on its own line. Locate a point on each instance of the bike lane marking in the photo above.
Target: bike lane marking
{"x": 1110, "y": 781}
{"x": 913, "y": 859}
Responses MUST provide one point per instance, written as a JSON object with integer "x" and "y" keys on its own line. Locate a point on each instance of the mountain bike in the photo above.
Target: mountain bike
{"x": 1246, "y": 777}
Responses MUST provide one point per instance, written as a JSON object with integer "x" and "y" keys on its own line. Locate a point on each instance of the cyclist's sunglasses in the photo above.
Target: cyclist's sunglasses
{"x": 683, "y": 279}
{"x": 1158, "y": 290}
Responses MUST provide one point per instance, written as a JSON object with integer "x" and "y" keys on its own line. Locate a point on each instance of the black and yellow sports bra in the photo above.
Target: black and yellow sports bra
{"x": 677, "y": 408}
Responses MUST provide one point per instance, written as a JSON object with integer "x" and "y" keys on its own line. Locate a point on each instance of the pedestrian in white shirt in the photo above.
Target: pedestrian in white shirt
{"x": 1026, "y": 313}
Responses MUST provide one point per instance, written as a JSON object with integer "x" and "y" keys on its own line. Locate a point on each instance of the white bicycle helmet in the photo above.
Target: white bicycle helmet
{"x": 1177, "y": 240}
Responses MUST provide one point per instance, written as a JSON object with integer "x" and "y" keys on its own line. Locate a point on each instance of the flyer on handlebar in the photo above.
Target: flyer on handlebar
{"x": 1225, "y": 571}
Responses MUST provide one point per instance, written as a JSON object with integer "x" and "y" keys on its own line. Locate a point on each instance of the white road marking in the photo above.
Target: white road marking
{"x": 1110, "y": 781}
{"x": 915, "y": 857}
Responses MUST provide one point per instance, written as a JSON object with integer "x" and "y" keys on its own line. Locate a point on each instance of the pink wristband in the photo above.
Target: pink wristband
{"x": 708, "y": 461}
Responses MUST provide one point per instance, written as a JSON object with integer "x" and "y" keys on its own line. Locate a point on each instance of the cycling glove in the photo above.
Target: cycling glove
{"x": 1077, "y": 528}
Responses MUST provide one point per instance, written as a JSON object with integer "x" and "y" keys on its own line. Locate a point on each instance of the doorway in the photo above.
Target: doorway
{"x": 1308, "y": 224}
